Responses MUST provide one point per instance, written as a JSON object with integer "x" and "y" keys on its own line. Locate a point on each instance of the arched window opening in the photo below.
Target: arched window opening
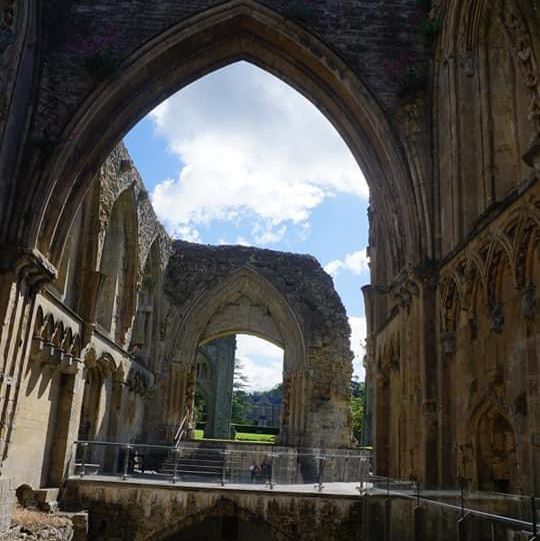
{"x": 68, "y": 284}
{"x": 496, "y": 450}
{"x": 146, "y": 326}
{"x": 239, "y": 392}
{"x": 90, "y": 411}
{"x": 115, "y": 303}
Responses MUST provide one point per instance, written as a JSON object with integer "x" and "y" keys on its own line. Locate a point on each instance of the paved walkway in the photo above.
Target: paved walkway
{"x": 336, "y": 489}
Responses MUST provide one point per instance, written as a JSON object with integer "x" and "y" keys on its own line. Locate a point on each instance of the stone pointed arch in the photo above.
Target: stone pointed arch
{"x": 231, "y": 31}
{"x": 288, "y": 299}
{"x": 269, "y": 317}
{"x": 493, "y": 439}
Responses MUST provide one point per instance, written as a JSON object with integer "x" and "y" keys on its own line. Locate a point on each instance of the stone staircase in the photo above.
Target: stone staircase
{"x": 197, "y": 464}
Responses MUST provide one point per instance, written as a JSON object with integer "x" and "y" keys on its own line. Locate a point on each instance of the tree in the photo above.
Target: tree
{"x": 239, "y": 408}
{"x": 357, "y": 408}
{"x": 239, "y": 395}
{"x": 200, "y": 408}
{"x": 240, "y": 381}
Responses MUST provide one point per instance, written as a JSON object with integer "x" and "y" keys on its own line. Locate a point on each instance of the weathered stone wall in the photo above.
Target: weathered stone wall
{"x": 71, "y": 357}
{"x": 452, "y": 358}
{"x": 443, "y": 163}
{"x": 121, "y": 510}
{"x": 285, "y": 298}
{"x": 159, "y": 512}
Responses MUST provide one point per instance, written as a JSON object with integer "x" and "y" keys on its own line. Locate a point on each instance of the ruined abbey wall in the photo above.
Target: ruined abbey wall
{"x": 453, "y": 338}
{"x": 94, "y": 358}
{"x": 441, "y": 110}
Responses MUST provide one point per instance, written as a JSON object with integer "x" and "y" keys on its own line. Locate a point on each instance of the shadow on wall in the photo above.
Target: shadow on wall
{"x": 223, "y": 528}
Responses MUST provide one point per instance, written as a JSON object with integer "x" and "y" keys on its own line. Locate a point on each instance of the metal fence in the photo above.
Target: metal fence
{"x": 470, "y": 515}
{"x": 218, "y": 463}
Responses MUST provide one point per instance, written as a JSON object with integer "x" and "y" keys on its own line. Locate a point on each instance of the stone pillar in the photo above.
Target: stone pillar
{"x": 530, "y": 308}
{"x": 222, "y": 355}
{"x": 68, "y": 416}
{"x": 381, "y": 432}
{"x": 369, "y": 362}
{"x": 179, "y": 395}
{"x": 294, "y": 410}
{"x": 22, "y": 274}
{"x": 429, "y": 355}
{"x": 21, "y": 277}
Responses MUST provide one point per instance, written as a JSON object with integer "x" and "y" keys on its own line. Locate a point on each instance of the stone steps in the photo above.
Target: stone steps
{"x": 206, "y": 463}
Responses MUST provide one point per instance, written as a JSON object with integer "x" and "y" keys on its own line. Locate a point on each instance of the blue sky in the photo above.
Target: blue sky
{"x": 239, "y": 157}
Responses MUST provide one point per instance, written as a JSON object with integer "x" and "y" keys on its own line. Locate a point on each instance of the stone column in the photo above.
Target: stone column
{"x": 180, "y": 392}
{"x": 22, "y": 274}
{"x": 294, "y": 407}
{"x": 381, "y": 429}
{"x": 68, "y": 416}
{"x": 285, "y": 411}
{"x": 222, "y": 353}
{"x": 530, "y": 307}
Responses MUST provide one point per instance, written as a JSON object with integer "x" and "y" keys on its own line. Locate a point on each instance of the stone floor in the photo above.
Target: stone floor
{"x": 344, "y": 489}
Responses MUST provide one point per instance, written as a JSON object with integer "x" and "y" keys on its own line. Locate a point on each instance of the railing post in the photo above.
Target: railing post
{"x": 320, "y": 472}
{"x": 417, "y": 493}
{"x": 361, "y": 474}
{"x": 84, "y": 459}
{"x": 462, "y": 532}
{"x": 223, "y": 468}
{"x": 272, "y": 469}
{"x": 175, "y": 454}
{"x": 127, "y": 450}
{"x": 534, "y": 519}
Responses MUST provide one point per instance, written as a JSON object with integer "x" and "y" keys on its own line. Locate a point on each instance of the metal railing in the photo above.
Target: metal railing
{"x": 518, "y": 513}
{"x": 328, "y": 471}
{"x": 262, "y": 467}
{"x": 181, "y": 431}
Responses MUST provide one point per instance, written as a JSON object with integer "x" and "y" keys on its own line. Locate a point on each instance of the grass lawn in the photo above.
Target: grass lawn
{"x": 241, "y": 436}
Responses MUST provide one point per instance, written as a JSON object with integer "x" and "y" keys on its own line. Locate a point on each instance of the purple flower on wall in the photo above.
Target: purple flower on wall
{"x": 96, "y": 54}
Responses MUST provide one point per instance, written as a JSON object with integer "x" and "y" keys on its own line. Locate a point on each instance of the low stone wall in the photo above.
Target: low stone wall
{"x": 133, "y": 511}
{"x": 138, "y": 511}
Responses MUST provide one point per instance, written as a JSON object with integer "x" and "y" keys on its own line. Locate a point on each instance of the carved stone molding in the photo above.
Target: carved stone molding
{"x": 29, "y": 266}
{"x": 448, "y": 342}
{"x": 528, "y": 302}
{"x": 521, "y": 42}
{"x": 532, "y": 156}
{"x": 496, "y": 317}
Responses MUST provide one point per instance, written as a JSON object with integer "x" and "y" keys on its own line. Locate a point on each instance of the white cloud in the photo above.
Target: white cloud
{"x": 241, "y": 241}
{"x": 186, "y": 232}
{"x": 262, "y": 362}
{"x": 358, "y": 338}
{"x": 251, "y": 148}
{"x": 355, "y": 263}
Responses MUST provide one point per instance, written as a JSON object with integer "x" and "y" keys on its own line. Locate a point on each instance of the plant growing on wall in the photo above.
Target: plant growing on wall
{"x": 96, "y": 54}
{"x": 410, "y": 76}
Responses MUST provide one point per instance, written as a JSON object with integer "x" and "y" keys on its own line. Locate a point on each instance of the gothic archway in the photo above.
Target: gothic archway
{"x": 286, "y": 299}
{"x": 235, "y": 30}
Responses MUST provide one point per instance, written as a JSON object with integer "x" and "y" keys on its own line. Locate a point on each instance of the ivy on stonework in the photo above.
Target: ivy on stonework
{"x": 411, "y": 77}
